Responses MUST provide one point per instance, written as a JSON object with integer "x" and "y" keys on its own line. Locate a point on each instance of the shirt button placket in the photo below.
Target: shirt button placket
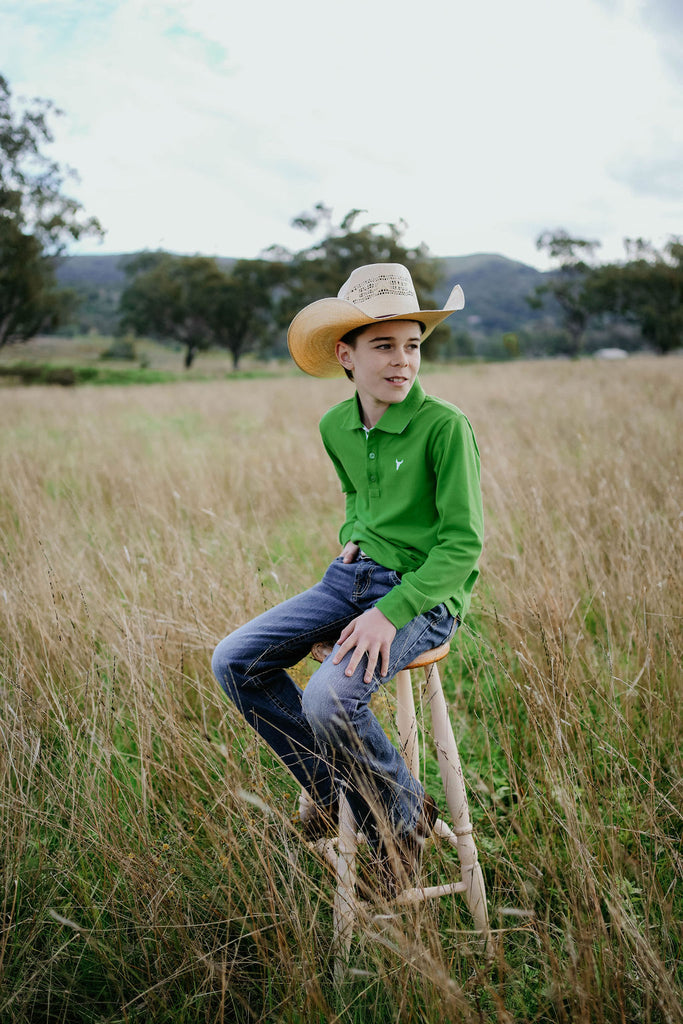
{"x": 372, "y": 475}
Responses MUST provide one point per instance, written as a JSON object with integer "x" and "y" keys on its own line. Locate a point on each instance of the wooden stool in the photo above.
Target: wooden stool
{"x": 343, "y": 859}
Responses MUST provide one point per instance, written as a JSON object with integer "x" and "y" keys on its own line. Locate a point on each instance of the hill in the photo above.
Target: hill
{"x": 98, "y": 280}
{"x": 495, "y": 289}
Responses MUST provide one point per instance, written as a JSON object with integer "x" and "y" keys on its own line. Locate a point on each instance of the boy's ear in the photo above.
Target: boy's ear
{"x": 343, "y": 354}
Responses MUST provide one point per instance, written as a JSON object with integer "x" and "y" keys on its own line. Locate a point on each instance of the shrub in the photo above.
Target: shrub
{"x": 121, "y": 348}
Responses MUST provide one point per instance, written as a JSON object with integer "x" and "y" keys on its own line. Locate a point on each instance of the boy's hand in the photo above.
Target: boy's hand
{"x": 372, "y": 634}
{"x": 350, "y": 552}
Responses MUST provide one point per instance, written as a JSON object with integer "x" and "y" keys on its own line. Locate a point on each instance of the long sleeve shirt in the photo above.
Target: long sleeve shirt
{"x": 413, "y": 498}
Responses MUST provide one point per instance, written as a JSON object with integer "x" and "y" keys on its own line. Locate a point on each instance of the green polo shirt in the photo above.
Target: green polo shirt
{"x": 413, "y": 498}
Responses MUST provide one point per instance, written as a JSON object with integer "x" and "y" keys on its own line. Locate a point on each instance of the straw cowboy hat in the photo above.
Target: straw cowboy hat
{"x": 372, "y": 294}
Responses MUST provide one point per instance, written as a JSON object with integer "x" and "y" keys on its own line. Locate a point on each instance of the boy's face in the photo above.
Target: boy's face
{"x": 384, "y": 360}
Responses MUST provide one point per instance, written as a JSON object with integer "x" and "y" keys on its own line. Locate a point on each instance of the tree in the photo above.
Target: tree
{"x": 243, "y": 305}
{"x": 567, "y": 284}
{"x": 189, "y": 299}
{"x": 646, "y": 290}
{"x": 459, "y": 344}
{"x": 318, "y": 270}
{"x": 29, "y": 299}
{"x": 36, "y": 221}
{"x": 169, "y": 297}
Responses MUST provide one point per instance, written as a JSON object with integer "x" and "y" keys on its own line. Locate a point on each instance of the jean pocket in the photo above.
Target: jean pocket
{"x": 442, "y": 623}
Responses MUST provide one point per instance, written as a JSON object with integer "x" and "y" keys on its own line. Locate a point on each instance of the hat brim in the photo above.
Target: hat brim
{"x": 314, "y": 332}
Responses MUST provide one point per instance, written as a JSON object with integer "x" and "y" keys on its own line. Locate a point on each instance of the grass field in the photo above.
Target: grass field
{"x": 150, "y": 866}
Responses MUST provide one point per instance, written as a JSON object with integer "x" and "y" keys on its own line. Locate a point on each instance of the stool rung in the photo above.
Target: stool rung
{"x": 444, "y": 831}
{"x": 328, "y": 849}
{"x": 429, "y": 892}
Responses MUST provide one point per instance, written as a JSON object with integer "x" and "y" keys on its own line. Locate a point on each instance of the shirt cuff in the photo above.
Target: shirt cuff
{"x": 402, "y": 604}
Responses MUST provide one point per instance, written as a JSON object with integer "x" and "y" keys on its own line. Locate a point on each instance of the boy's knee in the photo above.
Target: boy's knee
{"x": 218, "y": 661}
{"x": 322, "y": 708}
{"x": 222, "y": 665}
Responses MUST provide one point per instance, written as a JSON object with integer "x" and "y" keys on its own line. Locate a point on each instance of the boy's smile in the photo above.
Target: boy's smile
{"x": 384, "y": 360}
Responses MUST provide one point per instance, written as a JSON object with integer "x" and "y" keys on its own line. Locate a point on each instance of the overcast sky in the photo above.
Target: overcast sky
{"x": 206, "y": 126}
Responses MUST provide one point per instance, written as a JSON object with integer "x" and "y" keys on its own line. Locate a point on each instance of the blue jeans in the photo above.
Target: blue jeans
{"x": 326, "y": 734}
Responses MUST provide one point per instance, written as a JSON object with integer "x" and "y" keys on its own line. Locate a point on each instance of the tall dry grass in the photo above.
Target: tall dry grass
{"x": 150, "y": 867}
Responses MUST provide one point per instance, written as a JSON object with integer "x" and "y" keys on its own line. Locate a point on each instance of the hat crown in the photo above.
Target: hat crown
{"x": 381, "y": 289}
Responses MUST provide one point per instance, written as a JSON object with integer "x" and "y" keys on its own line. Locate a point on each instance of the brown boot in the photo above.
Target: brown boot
{"x": 399, "y": 860}
{"x": 321, "y": 822}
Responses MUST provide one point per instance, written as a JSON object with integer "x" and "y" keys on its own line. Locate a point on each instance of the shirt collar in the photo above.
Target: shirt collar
{"x": 397, "y": 416}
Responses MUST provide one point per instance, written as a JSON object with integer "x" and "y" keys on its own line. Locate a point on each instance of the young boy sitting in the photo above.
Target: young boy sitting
{"x": 412, "y": 536}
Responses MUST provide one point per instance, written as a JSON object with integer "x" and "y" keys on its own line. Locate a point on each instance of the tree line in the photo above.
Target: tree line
{"x": 197, "y": 302}
{"x": 646, "y": 290}
{"x": 193, "y": 301}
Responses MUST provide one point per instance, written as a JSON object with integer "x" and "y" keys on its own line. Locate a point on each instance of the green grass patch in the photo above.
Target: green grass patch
{"x": 72, "y": 375}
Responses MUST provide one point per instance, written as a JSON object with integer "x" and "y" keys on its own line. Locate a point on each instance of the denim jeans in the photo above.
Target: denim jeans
{"x": 327, "y": 734}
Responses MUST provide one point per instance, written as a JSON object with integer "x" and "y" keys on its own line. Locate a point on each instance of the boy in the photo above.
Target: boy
{"x": 412, "y": 536}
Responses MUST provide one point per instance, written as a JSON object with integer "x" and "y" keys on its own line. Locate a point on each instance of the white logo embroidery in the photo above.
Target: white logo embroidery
{"x": 399, "y": 462}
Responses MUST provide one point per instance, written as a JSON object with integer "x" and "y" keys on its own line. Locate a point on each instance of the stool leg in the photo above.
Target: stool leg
{"x": 406, "y": 722}
{"x": 456, "y": 797}
{"x": 345, "y": 897}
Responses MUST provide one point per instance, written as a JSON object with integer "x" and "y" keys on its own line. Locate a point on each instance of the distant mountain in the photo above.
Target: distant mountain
{"x": 102, "y": 270}
{"x": 97, "y": 271}
{"x": 99, "y": 281}
{"x": 495, "y": 290}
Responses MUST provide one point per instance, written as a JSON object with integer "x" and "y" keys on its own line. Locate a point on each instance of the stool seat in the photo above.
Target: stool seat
{"x": 324, "y": 648}
{"x": 429, "y": 657}
{"x": 341, "y": 852}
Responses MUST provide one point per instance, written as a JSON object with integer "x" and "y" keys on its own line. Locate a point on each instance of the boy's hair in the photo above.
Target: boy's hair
{"x": 350, "y": 339}
{"x": 351, "y": 336}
